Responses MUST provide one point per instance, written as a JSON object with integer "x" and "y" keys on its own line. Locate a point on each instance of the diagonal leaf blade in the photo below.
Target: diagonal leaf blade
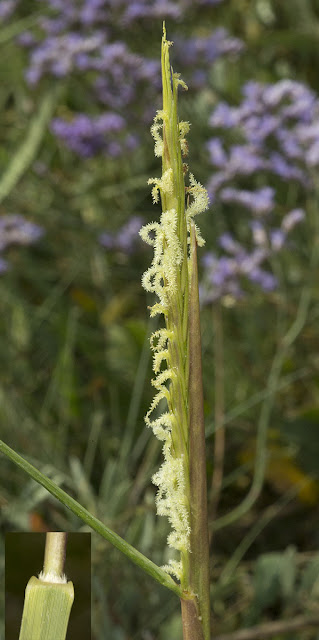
{"x": 128, "y": 550}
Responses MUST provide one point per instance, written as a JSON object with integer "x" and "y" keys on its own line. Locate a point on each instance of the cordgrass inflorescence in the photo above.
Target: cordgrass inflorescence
{"x": 171, "y": 278}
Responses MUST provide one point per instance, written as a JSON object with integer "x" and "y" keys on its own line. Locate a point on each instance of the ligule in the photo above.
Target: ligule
{"x": 46, "y": 611}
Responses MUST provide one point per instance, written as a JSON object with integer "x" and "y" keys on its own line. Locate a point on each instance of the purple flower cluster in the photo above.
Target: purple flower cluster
{"x": 279, "y": 127}
{"x": 199, "y": 53}
{"x": 88, "y": 136}
{"x": 125, "y": 239}
{"x": 7, "y": 8}
{"x": 223, "y": 275}
{"x": 80, "y": 38}
{"x": 14, "y": 229}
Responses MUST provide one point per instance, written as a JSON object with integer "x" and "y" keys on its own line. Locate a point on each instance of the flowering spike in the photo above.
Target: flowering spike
{"x": 168, "y": 277}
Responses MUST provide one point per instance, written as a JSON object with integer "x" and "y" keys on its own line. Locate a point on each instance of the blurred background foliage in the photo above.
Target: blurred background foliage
{"x": 75, "y": 363}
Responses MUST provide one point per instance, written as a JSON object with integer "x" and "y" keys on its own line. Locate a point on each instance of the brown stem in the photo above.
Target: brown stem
{"x": 199, "y": 548}
{"x": 219, "y": 442}
{"x": 192, "y": 628}
{"x": 270, "y": 629}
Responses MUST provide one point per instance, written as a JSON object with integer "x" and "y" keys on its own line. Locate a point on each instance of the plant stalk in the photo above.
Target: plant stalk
{"x": 199, "y": 542}
{"x": 54, "y": 554}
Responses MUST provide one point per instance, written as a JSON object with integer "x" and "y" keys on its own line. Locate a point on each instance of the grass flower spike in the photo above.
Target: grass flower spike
{"x": 170, "y": 275}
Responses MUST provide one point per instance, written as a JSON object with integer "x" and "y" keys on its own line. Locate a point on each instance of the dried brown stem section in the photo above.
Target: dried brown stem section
{"x": 192, "y": 628}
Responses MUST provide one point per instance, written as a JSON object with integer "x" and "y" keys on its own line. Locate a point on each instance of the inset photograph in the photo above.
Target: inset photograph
{"x": 48, "y": 586}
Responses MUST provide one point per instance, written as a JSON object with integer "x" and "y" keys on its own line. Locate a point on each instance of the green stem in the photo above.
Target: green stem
{"x": 130, "y": 552}
{"x": 219, "y": 422}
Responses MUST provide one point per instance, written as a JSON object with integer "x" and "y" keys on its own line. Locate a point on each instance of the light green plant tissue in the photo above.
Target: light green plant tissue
{"x": 46, "y": 611}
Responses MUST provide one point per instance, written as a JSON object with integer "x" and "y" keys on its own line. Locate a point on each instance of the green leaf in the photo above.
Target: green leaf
{"x": 133, "y": 554}
{"x": 288, "y": 572}
{"x": 309, "y": 586}
{"x": 275, "y": 577}
{"x": 303, "y": 433}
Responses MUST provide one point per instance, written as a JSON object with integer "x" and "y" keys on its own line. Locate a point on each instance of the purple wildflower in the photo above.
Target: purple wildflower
{"x": 7, "y": 8}
{"x": 90, "y": 135}
{"x": 292, "y": 218}
{"x": 217, "y": 153}
{"x": 225, "y": 274}
{"x": 14, "y": 229}
{"x": 279, "y": 126}
{"x": 80, "y": 38}
{"x": 277, "y": 239}
{"x": 206, "y": 49}
{"x": 160, "y": 9}
{"x": 259, "y": 202}
{"x": 125, "y": 239}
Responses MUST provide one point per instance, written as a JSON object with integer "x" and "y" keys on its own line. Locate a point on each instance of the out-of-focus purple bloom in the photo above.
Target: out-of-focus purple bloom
{"x": 259, "y": 127}
{"x": 217, "y": 154}
{"x": 81, "y": 38}
{"x": 224, "y": 275}
{"x": 285, "y": 169}
{"x": 277, "y": 239}
{"x": 259, "y": 202}
{"x": 279, "y": 130}
{"x": 289, "y": 144}
{"x": 58, "y": 54}
{"x": 264, "y": 279}
{"x": 245, "y": 160}
{"x": 199, "y": 78}
{"x": 14, "y": 229}
{"x": 93, "y": 12}
{"x": 121, "y": 74}
{"x": 312, "y": 154}
{"x": 259, "y": 233}
{"x": 279, "y": 126}
{"x": 125, "y": 239}
{"x": 26, "y": 39}
{"x": 208, "y": 2}
{"x": 206, "y": 49}
{"x": 292, "y": 218}
{"x": 227, "y": 242}
{"x": 7, "y": 8}
{"x": 138, "y": 9}
{"x": 242, "y": 160}
{"x": 90, "y": 135}
{"x": 224, "y": 116}
{"x": 4, "y": 266}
